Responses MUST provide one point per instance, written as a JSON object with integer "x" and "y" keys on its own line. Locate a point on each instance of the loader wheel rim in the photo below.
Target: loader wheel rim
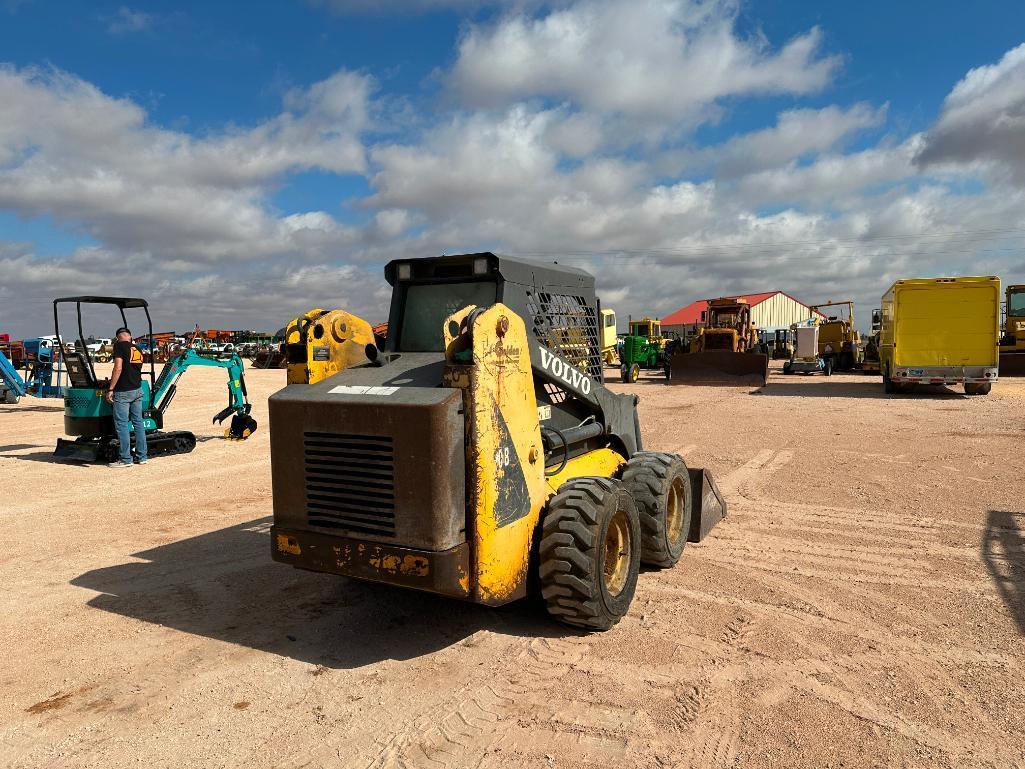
{"x": 675, "y": 511}
{"x": 618, "y": 547}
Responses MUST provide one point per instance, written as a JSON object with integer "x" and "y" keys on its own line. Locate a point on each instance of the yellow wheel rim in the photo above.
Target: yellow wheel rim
{"x": 675, "y": 512}
{"x": 618, "y": 546}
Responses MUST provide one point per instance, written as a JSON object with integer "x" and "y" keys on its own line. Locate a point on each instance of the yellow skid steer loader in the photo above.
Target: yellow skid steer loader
{"x": 474, "y": 458}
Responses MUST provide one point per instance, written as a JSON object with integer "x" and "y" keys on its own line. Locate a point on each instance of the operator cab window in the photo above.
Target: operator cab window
{"x": 1016, "y": 305}
{"x": 428, "y": 305}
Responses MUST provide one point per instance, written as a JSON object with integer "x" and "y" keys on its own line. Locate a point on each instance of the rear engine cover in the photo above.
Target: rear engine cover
{"x": 382, "y": 464}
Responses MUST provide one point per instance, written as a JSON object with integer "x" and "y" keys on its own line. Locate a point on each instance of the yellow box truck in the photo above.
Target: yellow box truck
{"x": 940, "y": 331}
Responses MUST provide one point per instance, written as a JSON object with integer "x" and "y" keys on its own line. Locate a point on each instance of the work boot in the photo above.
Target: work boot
{"x": 119, "y": 463}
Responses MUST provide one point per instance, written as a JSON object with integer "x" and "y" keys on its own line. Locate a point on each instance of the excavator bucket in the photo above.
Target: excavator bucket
{"x": 719, "y": 367}
{"x": 1012, "y": 364}
{"x": 242, "y": 426}
{"x": 708, "y": 505}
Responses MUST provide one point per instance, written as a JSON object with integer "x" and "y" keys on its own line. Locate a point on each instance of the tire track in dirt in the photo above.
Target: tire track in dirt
{"x": 531, "y": 718}
{"x": 917, "y": 558}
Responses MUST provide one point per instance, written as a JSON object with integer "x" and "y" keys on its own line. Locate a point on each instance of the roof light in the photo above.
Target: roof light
{"x": 480, "y": 265}
{"x": 404, "y": 271}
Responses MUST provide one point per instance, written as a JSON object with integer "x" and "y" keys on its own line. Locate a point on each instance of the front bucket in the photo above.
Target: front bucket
{"x": 1012, "y": 364}
{"x": 709, "y": 507}
{"x": 719, "y": 367}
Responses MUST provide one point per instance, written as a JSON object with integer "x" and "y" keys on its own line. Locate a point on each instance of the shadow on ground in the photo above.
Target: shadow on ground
{"x": 819, "y": 386}
{"x": 1003, "y": 552}
{"x": 223, "y": 585}
{"x": 47, "y": 457}
{"x": 19, "y": 447}
{"x": 37, "y": 408}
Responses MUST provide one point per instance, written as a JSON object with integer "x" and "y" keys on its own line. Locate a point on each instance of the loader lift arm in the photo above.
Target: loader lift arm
{"x": 242, "y": 424}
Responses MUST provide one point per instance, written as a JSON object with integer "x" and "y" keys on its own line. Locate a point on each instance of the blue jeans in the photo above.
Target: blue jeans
{"x": 128, "y": 409}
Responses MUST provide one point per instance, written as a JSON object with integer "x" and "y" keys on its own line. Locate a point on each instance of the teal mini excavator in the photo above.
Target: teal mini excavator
{"x": 89, "y": 417}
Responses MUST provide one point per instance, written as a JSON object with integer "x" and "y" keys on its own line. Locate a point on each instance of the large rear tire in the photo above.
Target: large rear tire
{"x": 590, "y": 553}
{"x": 660, "y": 486}
{"x": 977, "y": 388}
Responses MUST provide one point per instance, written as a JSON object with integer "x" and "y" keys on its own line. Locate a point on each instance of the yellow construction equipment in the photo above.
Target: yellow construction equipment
{"x": 1012, "y": 344}
{"x": 324, "y": 342}
{"x": 725, "y": 350}
{"x": 472, "y": 458}
{"x": 940, "y": 331}
{"x": 839, "y": 340}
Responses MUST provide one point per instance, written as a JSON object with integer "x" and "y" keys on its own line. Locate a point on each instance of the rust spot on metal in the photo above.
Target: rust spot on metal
{"x": 287, "y": 544}
{"x": 416, "y": 565}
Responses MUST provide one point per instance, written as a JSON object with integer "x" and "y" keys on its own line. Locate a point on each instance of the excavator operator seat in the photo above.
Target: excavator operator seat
{"x": 79, "y": 372}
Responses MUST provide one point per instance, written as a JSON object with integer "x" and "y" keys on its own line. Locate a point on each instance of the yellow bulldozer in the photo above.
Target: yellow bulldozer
{"x": 724, "y": 351}
{"x": 1012, "y": 342}
{"x": 472, "y": 458}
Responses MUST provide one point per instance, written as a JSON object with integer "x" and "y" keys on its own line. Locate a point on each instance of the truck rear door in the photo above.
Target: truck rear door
{"x": 950, "y": 323}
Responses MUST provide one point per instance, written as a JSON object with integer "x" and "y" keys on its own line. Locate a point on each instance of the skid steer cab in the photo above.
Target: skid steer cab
{"x": 480, "y": 455}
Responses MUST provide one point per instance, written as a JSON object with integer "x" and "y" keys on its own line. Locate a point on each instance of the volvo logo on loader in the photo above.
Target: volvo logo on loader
{"x": 569, "y": 374}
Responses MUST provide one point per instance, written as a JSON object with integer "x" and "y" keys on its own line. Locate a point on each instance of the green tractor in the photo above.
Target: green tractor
{"x": 642, "y": 348}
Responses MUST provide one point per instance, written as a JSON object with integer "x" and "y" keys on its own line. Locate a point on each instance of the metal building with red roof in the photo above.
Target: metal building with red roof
{"x": 769, "y": 310}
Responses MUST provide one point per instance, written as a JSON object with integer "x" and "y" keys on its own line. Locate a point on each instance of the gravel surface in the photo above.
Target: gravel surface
{"x": 861, "y": 606}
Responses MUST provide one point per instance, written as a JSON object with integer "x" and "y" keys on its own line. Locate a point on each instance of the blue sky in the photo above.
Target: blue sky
{"x": 187, "y": 145}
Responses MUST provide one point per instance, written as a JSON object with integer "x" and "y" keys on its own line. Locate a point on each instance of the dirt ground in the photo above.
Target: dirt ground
{"x": 862, "y": 605}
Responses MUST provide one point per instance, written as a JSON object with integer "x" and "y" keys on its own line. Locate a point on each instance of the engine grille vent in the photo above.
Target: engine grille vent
{"x": 718, "y": 340}
{"x": 350, "y": 482}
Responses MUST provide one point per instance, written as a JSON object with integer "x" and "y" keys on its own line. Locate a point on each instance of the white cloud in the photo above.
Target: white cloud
{"x": 983, "y": 119}
{"x": 811, "y": 202}
{"x": 260, "y": 296}
{"x": 798, "y": 133}
{"x": 127, "y": 20}
{"x": 410, "y": 6}
{"x": 666, "y": 59}
{"x": 92, "y": 161}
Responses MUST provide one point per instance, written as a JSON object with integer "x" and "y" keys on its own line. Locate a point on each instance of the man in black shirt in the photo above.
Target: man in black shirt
{"x": 125, "y": 393}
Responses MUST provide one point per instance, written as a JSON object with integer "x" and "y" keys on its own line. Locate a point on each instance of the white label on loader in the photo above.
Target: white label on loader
{"x": 544, "y": 412}
{"x": 361, "y": 390}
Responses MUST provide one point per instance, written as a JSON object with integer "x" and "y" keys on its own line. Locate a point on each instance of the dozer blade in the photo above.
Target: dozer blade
{"x": 79, "y": 451}
{"x": 1012, "y": 364}
{"x": 242, "y": 426}
{"x": 719, "y": 367}
{"x": 709, "y": 507}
